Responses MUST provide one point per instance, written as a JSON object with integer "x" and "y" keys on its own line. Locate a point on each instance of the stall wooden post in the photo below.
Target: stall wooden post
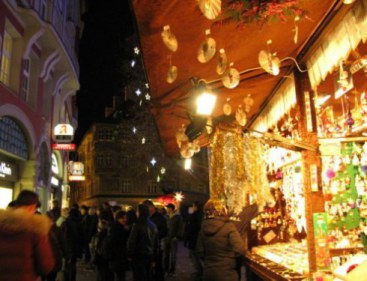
{"x": 311, "y": 161}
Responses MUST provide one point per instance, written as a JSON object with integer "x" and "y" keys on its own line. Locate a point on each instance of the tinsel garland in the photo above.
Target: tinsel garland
{"x": 237, "y": 169}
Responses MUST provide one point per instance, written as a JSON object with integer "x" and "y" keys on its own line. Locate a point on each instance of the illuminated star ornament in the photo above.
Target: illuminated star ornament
{"x": 147, "y": 97}
{"x": 179, "y": 196}
{"x": 163, "y": 170}
{"x": 153, "y": 161}
{"x": 134, "y": 130}
{"x": 136, "y": 51}
{"x": 138, "y": 92}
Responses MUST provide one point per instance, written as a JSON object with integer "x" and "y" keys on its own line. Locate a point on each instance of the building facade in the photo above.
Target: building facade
{"x": 124, "y": 162}
{"x": 38, "y": 81}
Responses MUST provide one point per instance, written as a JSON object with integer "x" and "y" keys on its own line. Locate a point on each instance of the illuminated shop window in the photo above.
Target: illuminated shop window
{"x": 12, "y": 138}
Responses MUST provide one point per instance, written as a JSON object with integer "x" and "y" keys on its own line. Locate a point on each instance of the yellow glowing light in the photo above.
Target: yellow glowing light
{"x": 188, "y": 163}
{"x": 179, "y": 196}
{"x": 205, "y": 103}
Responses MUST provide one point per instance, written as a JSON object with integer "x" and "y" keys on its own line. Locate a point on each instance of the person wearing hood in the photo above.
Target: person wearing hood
{"x": 219, "y": 244}
{"x": 25, "y": 249}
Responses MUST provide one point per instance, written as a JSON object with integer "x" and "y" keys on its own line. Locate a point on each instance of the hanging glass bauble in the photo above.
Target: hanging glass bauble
{"x": 227, "y": 109}
{"x": 210, "y": 8}
{"x": 172, "y": 74}
{"x": 241, "y": 116}
{"x": 207, "y": 50}
{"x": 222, "y": 62}
{"x": 195, "y": 146}
{"x": 330, "y": 173}
{"x": 248, "y": 101}
{"x": 231, "y": 78}
{"x": 186, "y": 152}
{"x": 350, "y": 120}
{"x": 169, "y": 39}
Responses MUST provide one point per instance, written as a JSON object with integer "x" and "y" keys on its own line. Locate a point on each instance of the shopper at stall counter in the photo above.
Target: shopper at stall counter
{"x": 24, "y": 238}
{"x": 219, "y": 244}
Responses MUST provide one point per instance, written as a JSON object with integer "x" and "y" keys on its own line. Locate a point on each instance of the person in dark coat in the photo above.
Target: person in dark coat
{"x": 142, "y": 246}
{"x": 55, "y": 212}
{"x": 89, "y": 223}
{"x": 161, "y": 223}
{"x": 25, "y": 250}
{"x": 115, "y": 246}
{"x": 192, "y": 233}
{"x": 170, "y": 253}
{"x": 219, "y": 243}
{"x": 101, "y": 257}
{"x": 72, "y": 234}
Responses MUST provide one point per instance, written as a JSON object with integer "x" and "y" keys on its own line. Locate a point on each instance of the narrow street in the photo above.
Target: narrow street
{"x": 183, "y": 272}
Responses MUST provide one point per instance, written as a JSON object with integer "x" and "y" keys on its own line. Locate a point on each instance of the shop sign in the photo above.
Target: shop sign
{"x": 63, "y": 146}
{"x": 63, "y": 133}
{"x": 5, "y": 170}
{"x": 358, "y": 65}
{"x": 76, "y": 171}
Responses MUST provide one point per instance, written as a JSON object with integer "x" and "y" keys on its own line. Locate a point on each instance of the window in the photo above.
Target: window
{"x": 104, "y": 135}
{"x": 125, "y": 186}
{"x": 104, "y": 161}
{"x": 12, "y": 138}
{"x": 6, "y": 59}
{"x": 152, "y": 187}
{"x": 25, "y": 80}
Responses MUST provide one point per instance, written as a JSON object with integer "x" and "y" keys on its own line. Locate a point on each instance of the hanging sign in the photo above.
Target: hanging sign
{"x": 63, "y": 133}
{"x": 76, "y": 171}
{"x": 63, "y": 146}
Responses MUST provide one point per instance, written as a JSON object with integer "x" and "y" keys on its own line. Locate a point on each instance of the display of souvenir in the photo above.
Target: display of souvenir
{"x": 231, "y": 78}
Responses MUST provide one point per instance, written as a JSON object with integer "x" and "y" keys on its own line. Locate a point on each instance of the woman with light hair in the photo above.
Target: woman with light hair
{"x": 219, "y": 243}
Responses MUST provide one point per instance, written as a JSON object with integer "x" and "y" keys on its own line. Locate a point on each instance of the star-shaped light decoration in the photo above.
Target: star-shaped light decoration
{"x": 147, "y": 85}
{"x": 147, "y": 169}
{"x": 179, "y": 196}
{"x": 153, "y": 161}
{"x": 147, "y": 96}
{"x": 138, "y": 92}
{"x": 136, "y": 50}
{"x": 143, "y": 140}
{"x": 158, "y": 179}
{"x": 134, "y": 130}
{"x": 163, "y": 170}
{"x": 140, "y": 102}
{"x": 133, "y": 63}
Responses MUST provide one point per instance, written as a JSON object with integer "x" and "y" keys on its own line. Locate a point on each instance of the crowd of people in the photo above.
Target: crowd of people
{"x": 111, "y": 241}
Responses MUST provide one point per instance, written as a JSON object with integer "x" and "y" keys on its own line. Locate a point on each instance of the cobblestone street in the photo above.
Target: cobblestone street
{"x": 183, "y": 272}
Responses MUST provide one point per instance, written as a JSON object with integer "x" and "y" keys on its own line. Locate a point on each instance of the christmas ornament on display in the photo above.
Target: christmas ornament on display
{"x": 241, "y": 116}
{"x": 222, "y": 62}
{"x": 207, "y": 49}
{"x": 181, "y": 137}
{"x": 172, "y": 74}
{"x": 210, "y": 8}
{"x": 227, "y": 109}
{"x": 169, "y": 39}
{"x": 248, "y": 101}
{"x": 231, "y": 77}
{"x": 269, "y": 61}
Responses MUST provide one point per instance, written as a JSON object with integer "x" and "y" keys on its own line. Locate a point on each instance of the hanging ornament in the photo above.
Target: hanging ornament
{"x": 186, "y": 151}
{"x": 227, "y": 109}
{"x": 172, "y": 74}
{"x": 269, "y": 61}
{"x": 207, "y": 49}
{"x": 241, "y": 116}
{"x": 222, "y": 62}
{"x": 295, "y": 30}
{"x": 181, "y": 137}
{"x": 210, "y": 8}
{"x": 231, "y": 77}
{"x": 350, "y": 121}
{"x": 169, "y": 39}
{"x": 195, "y": 146}
{"x": 248, "y": 102}
{"x": 209, "y": 125}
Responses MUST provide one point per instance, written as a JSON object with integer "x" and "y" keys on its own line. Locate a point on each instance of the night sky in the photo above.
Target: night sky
{"x": 107, "y": 27}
